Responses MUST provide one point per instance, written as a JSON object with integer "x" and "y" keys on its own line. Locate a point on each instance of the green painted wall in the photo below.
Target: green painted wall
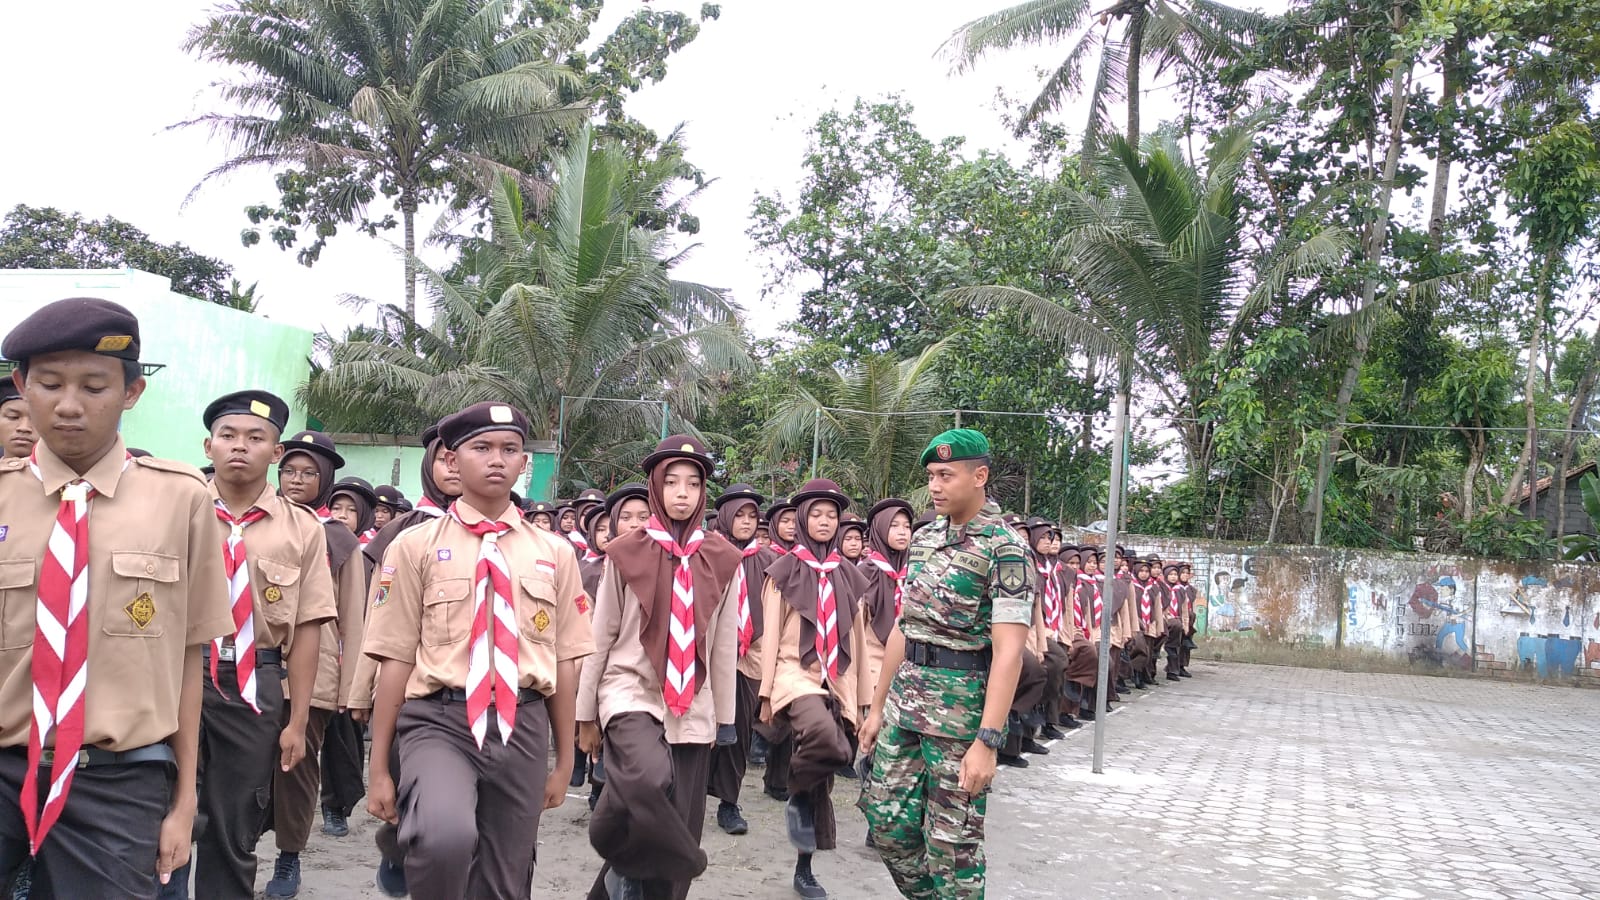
{"x": 208, "y": 350}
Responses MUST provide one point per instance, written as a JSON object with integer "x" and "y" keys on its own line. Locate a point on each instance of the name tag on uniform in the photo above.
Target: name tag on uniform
{"x": 972, "y": 562}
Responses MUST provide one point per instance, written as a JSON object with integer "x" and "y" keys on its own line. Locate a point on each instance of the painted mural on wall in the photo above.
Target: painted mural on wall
{"x": 1416, "y": 612}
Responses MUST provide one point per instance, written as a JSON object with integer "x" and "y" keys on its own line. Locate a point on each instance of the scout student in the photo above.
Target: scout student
{"x": 1122, "y": 624}
{"x": 111, "y": 765}
{"x": 738, "y": 512}
{"x": 810, "y": 669}
{"x": 306, "y": 476}
{"x": 770, "y": 746}
{"x": 388, "y": 507}
{"x": 1049, "y": 621}
{"x": 659, "y": 690}
{"x": 352, "y": 504}
{"x": 566, "y": 519}
{"x": 1145, "y": 613}
{"x": 17, "y": 436}
{"x": 590, "y": 499}
{"x": 1175, "y": 614}
{"x": 763, "y": 533}
{"x": 950, "y": 670}
{"x": 1082, "y": 635}
{"x": 275, "y": 554}
{"x": 478, "y": 626}
{"x": 781, "y": 520}
{"x": 541, "y": 515}
{"x": 852, "y": 538}
{"x": 1186, "y": 581}
{"x": 888, "y": 554}
{"x": 343, "y": 747}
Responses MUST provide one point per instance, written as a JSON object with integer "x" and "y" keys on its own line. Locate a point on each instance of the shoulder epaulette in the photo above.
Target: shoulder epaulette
{"x": 13, "y": 464}
{"x": 169, "y": 465}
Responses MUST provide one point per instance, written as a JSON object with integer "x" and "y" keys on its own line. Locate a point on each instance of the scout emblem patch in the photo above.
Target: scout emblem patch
{"x": 583, "y": 603}
{"x": 260, "y": 409}
{"x": 114, "y": 343}
{"x": 272, "y": 594}
{"x": 383, "y": 587}
{"x": 142, "y": 610}
{"x": 444, "y": 555}
{"x": 541, "y": 621}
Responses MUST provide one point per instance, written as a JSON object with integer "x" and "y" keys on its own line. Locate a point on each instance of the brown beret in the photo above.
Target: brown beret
{"x": 79, "y": 323}
{"x": 481, "y": 418}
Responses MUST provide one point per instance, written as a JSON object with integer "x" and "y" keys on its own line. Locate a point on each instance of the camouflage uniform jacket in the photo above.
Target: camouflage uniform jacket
{"x": 959, "y": 582}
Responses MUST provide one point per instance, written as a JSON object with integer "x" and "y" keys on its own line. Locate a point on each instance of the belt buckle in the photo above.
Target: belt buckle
{"x": 227, "y": 654}
{"x": 47, "y": 758}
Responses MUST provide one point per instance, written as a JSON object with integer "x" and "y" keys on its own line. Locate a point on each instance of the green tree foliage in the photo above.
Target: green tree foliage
{"x": 44, "y": 238}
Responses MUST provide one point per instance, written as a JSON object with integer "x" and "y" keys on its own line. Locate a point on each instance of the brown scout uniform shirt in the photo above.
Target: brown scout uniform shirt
{"x": 421, "y": 610}
{"x": 784, "y": 680}
{"x": 620, "y": 678}
{"x": 286, "y": 555}
{"x": 156, "y": 588}
{"x": 339, "y": 647}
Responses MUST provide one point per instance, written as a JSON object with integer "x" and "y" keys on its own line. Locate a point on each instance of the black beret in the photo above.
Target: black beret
{"x": 848, "y": 521}
{"x": 679, "y": 446}
{"x": 481, "y": 418}
{"x": 739, "y": 491}
{"x": 249, "y": 403}
{"x": 357, "y": 486}
{"x": 80, "y": 323}
{"x": 388, "y": 495}
{"x": 429, "y": 435}
{"x": 8, "y": 390}
{"x": 590, "y": 495}
{"x": 314, "y": 442}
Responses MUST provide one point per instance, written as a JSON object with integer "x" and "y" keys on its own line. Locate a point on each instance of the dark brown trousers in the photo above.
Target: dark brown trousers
{"x": 469, "y": 817}
{"x": 728, "y": 764}
{"x": 295, "y": 792}
{"x": 1055, "y": 676}
{"x": 1030, "y": 684}
{"x": 822, "y": 745}
{"x": 648, "y": 822}
{"x": 344, "y": 766}
{"x": 1175, "y": 649}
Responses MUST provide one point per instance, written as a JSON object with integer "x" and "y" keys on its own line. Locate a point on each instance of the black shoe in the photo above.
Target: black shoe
{"x": 1015, "y": 762}
{"x": 729, "y": 819}
{"x": 1184, "y": 673}
{"x": 1174, "y": 676}
{"x": 392, "y": 879}
{"x": 285, "y": 877}
{"x": 758, "y": 750}
{"x": 778, "y": 794}
{"x": 802, "y": 824}
{"x": 1121, "y": 688}
{"x": 1051, "y": 733}
{"x": 805, "y": 884}
{"x": 847, "y": 772}
{"x": 1029, "y": 745}
{"x": 1068, "y": 723}
{"x": 334, "y": 823}
{"x": 579, "y": 772}
{"x": 22, "y": 884}
{"x": 1086, "y": 714}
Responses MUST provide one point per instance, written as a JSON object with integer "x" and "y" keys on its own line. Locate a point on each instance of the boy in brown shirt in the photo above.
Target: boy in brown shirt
{"x": 98, "y": 785}
{"x": 478, "y": 625}
{"x": 280, "y": 591}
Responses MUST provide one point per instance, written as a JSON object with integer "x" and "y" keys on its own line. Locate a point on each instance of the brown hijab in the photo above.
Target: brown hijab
{"x": 879, "y": 597}
{"x": 797, "y": 583}
{"x": 648, "y": 569}
{"x": 755, "y": 565}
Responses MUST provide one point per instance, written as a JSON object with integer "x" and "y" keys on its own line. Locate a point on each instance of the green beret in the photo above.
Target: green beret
{"x": 955, "y": 444}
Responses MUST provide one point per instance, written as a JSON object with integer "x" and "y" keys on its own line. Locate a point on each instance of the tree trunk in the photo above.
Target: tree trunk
{"x": 408, "y": 215}
{"x": 1569, "y": 440}
{"x": 1377, "y": 238}
{"x": 1470, "y": 477}
{"x": 1136, "y": 23}
{"x": 1530, "y": 384}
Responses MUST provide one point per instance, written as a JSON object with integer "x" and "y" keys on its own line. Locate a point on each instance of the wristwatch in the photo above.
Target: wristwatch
{"x": 992, "y": 738}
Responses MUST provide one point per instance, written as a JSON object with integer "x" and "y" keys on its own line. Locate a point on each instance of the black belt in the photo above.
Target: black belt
{"x": 265, "y": 656}
{"x": 457, "y": 695}
{"x": 936, "y": 657}
{"x": 94, "y": 756}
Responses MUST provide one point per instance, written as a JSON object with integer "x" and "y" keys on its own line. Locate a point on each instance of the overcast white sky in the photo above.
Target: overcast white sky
{"x": 93, "y": 86}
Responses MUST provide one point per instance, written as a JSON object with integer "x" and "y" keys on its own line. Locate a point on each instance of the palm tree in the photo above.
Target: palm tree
{"x": 412, "y": 95}
{"x": 1126, "y": 35}
{"x": 554, "y": 315}
{"x": 1162, "y": 276}
{"x": 869, "y": 423}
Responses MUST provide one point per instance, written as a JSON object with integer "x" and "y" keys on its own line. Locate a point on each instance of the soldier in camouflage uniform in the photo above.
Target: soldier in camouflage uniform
{"x": 949, "y": 674}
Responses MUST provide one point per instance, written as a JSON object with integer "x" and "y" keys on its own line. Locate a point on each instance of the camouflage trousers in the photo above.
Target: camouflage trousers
{"x": 928, "y": 831}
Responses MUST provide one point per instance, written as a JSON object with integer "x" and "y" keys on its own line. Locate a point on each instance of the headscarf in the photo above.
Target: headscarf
{"x": 781, "y": 546}
{"x": 797, "y": 583}
{"x": 879, "y": 598}
{"x": 439, "y": 500}
{"x": 430, "y": 488}
{"x": 341, "y": 543}
{"x": 324, "y": 475}
{"x": 591, "y": 562}
{"x": 649, "y": 570}
{"x": 755, "y": 565}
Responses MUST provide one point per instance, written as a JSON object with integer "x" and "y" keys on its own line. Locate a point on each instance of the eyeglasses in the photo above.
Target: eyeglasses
{"x": 288, "y": 474}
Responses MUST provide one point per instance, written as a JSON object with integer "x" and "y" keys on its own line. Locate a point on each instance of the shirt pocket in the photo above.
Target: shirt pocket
{"x": 18, "y": 598}
{"x": 446, "y": 611}
{"x": 536, "y": 610}
{"x": 278, "y": 588}
{"x": 143, "y": 594}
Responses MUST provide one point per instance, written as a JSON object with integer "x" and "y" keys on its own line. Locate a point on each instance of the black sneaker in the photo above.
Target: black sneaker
{"x": 805, "y": 884}
{"x": 334, "y": 823}
{"x": 1068, "y": 723}
{"x": 1051, "y": 733}
{"x": 778, "y": 794}
{"x": 1015, "y": 762}
{"x": 392, "y": 879}
{"x": 1086, "y": 714}
{"x": 1184, "y": 673}
{"x": 730, "y": 820}
{"x": 847, "y": 772}
{"x": 1174, "y": 676}
{"x": 1029, "y": 745}
{"x": 285, "y": 877}
{"x": 802, "y": 824}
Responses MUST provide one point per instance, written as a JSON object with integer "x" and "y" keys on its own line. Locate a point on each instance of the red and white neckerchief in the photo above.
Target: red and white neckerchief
{"x": 324, "y": 514}
{"x": 60, "y": 665}
{"x": 779, "y": 549}
{"x": 1146, "y": 603}
{"x": 234, "y": 565}
{"x": 429, "y": 508}
{"x": 1052, "y": 597}
{"x": 678, "y": 682}
{"x": 492, "y": 653}
{"x": 899, "y": 576}
{"x": 747, "y": 628}
{"x": 1175, "y": 594}
{"x": 827, "y": 611}
{"x": 578, "y": 540}
{"x": 1097, "y": 601}
{"x": 366, "y": 537}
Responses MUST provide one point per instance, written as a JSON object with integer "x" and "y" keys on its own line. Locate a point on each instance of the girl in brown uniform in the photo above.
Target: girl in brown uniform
{"x": 659, "y": 690}
{"x": 811, "y": 680}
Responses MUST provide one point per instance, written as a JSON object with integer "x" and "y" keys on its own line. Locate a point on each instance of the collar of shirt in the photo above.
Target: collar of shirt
{"x": 473, "y": 516}
{"x": 103, "y": 475}
{"x": 267, "y": 501}
{"x": 952, "y": 536}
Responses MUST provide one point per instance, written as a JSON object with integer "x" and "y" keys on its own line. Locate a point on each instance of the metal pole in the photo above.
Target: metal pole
{"x": 664, "y": 420}
{"x": 1119, "y": 436}
{"x": 958, "y": 418}
{"x": 561, "y": 431}
{"x": 816, "y": 440}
